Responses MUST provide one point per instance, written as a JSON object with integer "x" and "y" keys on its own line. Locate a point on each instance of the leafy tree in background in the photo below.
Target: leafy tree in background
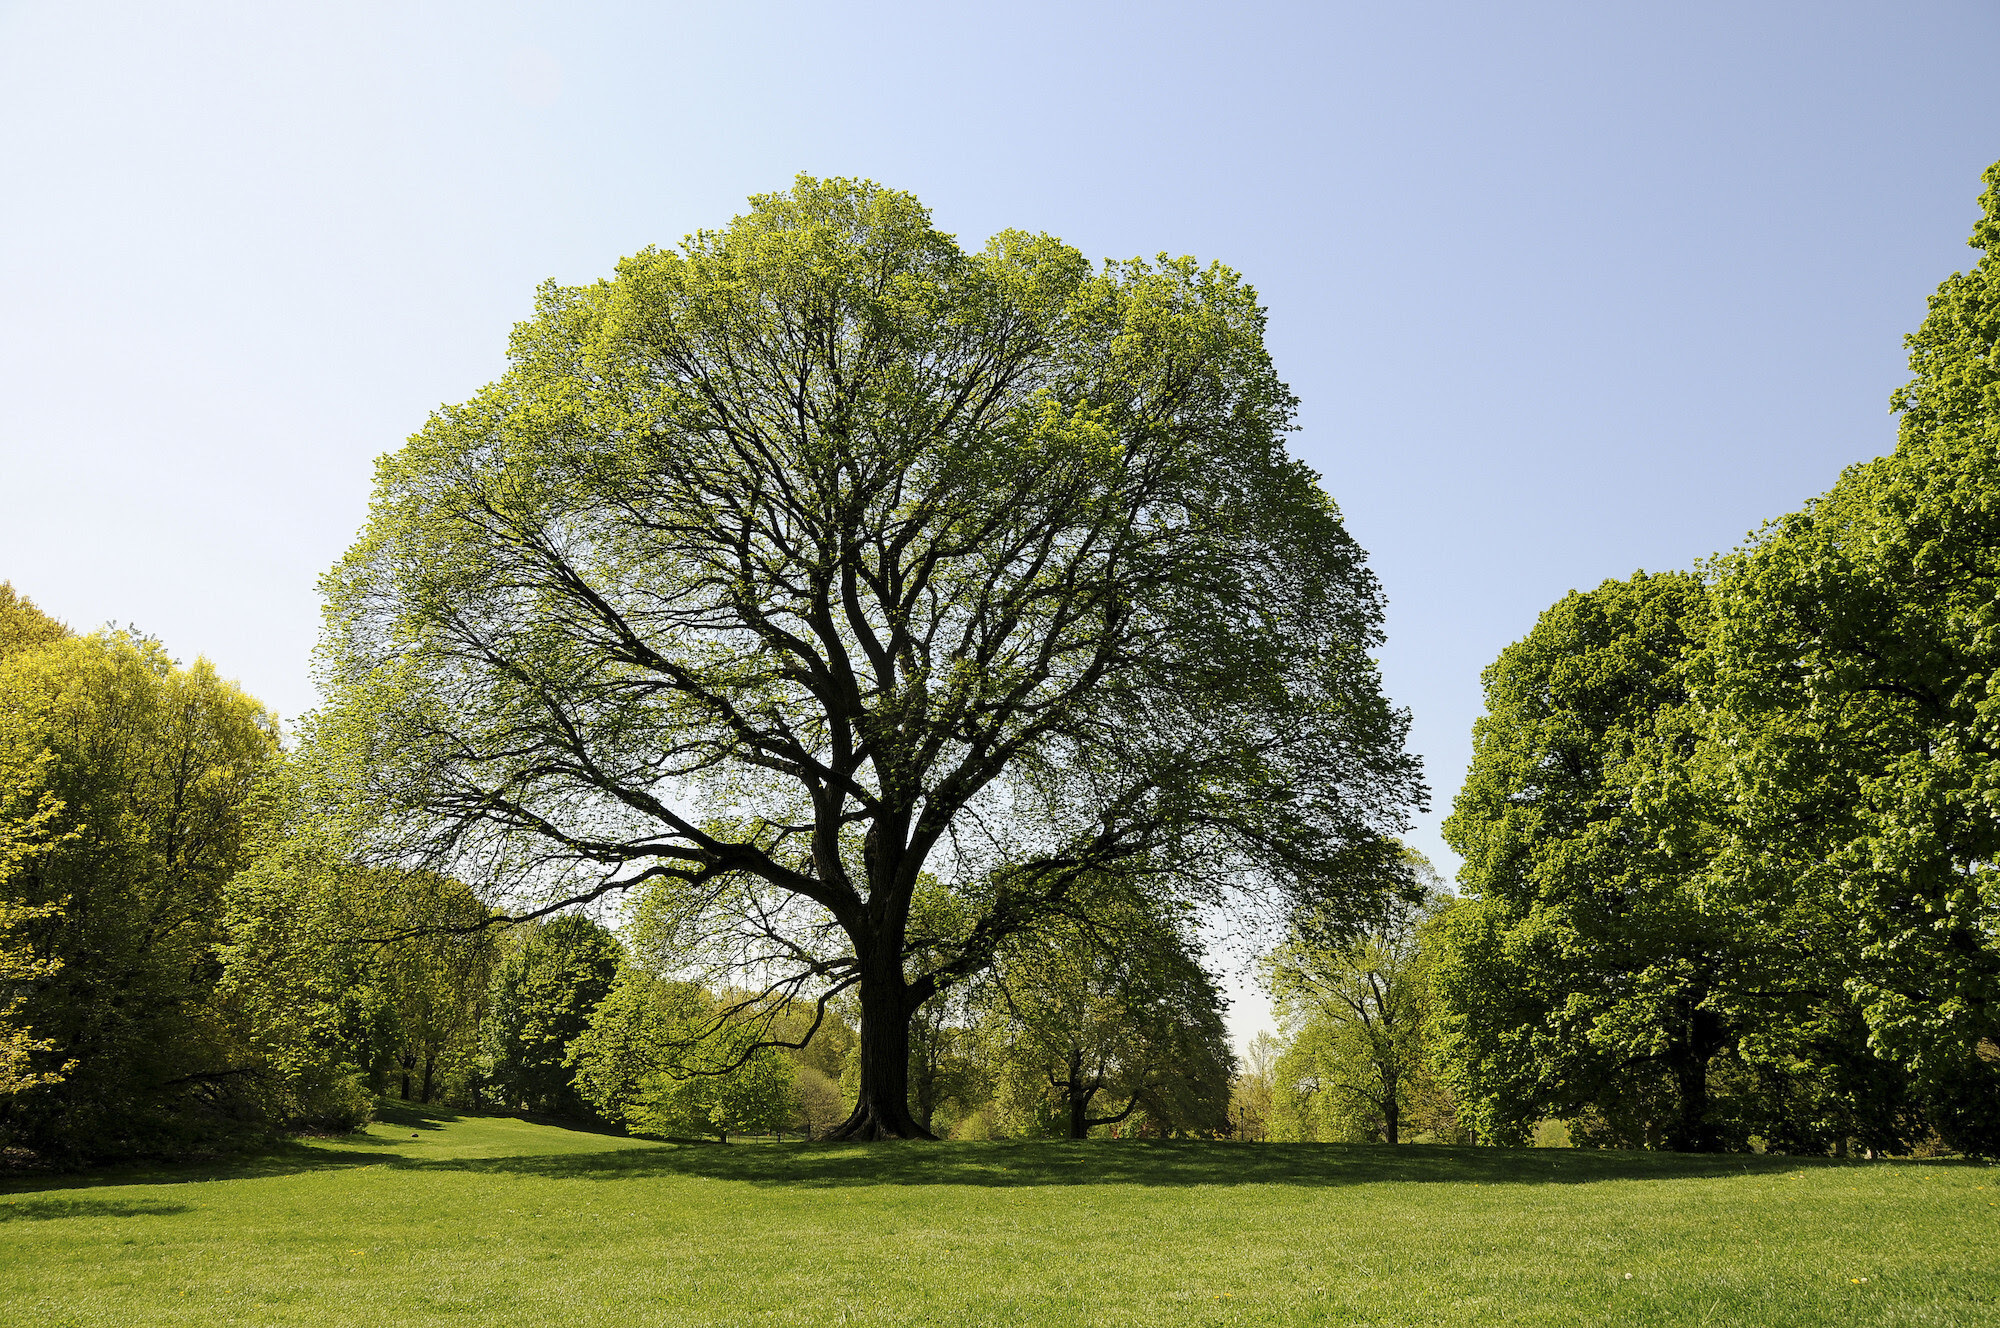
{"x": 434, "y": 971}
{"x": 25, "y": 832}
{"x": 543, "y": 992}
{"x": 1856, "y": 680}
{"x": 1584, "y": 970}
{"x": 150, "y": 767}
{"x": 1096, "y": 1019}
{"x": 947, "y": 1063}
{"x": 1253, "y": 1090}
{"x": 1358, "y": 1010}
{"x": 653, "y": 1059}
{"x": 818, "y": 552}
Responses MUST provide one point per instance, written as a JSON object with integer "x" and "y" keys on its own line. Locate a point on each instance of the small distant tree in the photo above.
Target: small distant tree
{"x": 818, "y": 1101}
{"x": 544, "y": 990}
{"x": 947, "y": 1069}
{"x": 655, "y": 1059}
{"x": 1092, "y": 1028}
{"x": 1358, "y": 1008}
{"x": 1252, "y": 1093}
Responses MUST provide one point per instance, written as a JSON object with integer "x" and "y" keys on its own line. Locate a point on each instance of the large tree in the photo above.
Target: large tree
{"x": 819, "y": 552}
{"x": 1857, "y": 679}
{"x": 1584, "y": 972}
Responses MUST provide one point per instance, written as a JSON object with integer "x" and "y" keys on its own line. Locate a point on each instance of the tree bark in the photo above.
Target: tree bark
{"x": 1692, "y": 1131}
{"x": 1079, "y": 1099}
{"x": 882, "y": 1102}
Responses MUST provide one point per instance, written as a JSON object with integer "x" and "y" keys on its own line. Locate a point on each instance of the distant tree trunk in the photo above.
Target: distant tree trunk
{"x": 430, "y": 1077}
{"x": 1079, "y": 1098}
{"x": 1691, "y": 1130}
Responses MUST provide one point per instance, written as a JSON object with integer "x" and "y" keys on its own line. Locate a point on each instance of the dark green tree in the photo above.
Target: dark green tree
{"x": 1857, "y": 681}
{"x": 819, "y": 553}
{"x": 1584, "y": 973}
{"x": 544, "y": 990}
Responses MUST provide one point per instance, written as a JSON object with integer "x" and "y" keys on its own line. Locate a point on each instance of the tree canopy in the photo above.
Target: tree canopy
{"x": 1856, "y": 679}
{"x": 819, "y": 553}
{"x": 132, "y": 775}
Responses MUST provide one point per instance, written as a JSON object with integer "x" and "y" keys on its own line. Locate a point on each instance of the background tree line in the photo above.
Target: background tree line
{"x": 1729, "y": 837}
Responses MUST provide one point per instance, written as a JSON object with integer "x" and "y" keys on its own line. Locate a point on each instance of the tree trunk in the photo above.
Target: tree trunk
{"x": 1391, "y": 1119}
{"x": 430, "y": 1079}
{"x": 1691, "y": 1131}
{"x": 882, "y": 1103}
{"x": 1079, "y": 1099}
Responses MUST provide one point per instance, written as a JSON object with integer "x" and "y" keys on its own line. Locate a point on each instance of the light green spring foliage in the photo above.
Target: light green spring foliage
{"x": 151, "y": 767}
{"x": 1093, "y": 1023}
{"x": 352, "y": 980}
{"x": 665, "y": 1059}
{"x": 820, "y": 529}
{"x": 1856, "y": 683}
{"x": 26, "y": 831}
{"x": 1358, "y": 1012}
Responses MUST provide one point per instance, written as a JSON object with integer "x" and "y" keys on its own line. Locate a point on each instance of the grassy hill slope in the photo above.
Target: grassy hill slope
{"x": 437, "y": 1219}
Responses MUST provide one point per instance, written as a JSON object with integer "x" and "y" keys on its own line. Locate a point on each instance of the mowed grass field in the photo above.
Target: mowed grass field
{"x": 436, "y": 1219}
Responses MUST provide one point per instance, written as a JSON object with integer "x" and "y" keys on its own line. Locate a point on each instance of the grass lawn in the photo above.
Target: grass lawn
{"x": 438, "y": 1219}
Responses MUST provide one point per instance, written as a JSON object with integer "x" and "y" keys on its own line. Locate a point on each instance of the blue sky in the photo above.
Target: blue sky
{"x": 1566, "y": 289}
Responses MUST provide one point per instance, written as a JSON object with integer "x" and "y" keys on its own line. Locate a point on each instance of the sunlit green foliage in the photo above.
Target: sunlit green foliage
{"x": 1856, "y": 684}
{"x": 1095, "y": 1019}
{"x": 1358, "y": 1010}
{"x": 664, "y": 1058}
{"x": 140, "y": 772}
{"x": 544, "y": 988}
{"x": 819, "y": 553}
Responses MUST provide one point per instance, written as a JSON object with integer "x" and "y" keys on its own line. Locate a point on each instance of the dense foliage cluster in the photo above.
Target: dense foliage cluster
{"x": 1730, "y": 837}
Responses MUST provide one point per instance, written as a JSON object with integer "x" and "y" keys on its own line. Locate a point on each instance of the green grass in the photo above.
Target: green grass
{"x": 436, "y": 1219}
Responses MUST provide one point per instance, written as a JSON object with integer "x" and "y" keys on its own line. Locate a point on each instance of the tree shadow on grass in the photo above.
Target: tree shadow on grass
{"x": 1014, "y": 1164}
{"x": 1173, "y": 1163}
{"x": 51, "y": 1209}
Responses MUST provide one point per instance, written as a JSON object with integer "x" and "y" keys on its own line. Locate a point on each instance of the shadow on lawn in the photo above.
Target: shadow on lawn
{"x": 1129, "y": 1163}
{"x": 1181, "y": 1163}
{"x": 47, "y": 1210}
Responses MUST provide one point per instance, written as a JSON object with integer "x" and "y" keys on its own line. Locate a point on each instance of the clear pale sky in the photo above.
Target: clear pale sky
{"x": 1566, "y": 289}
